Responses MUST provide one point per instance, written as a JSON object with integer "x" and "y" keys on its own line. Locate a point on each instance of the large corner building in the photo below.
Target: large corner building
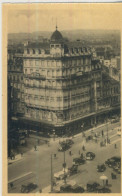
{"x": 65, "y": 87}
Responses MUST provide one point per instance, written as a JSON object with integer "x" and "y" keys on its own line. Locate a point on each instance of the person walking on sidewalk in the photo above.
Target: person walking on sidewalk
{"x": 102, "y": 133}
{"x": 21, "y": 154}
{"x": 70, "y": 152}
{"x": 115, "y": 146}
{"x": 83, "y": 148}
{"x": 55, "y": 155}
{"x": 35, "y": 147}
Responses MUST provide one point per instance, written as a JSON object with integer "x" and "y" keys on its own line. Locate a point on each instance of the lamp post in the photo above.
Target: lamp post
{"x": 64, "y": 166}
{"x": 51, "y": 174}
{"x": 107, "y": 131}
{"x": 54, "y": 134}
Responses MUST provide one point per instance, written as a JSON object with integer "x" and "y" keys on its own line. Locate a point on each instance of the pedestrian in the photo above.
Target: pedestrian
{"x": 79, "y": 152}
{"x": 83, "y": 148}
{"x": 21, "y": 154}
{"x": 115, "y": 146}
{"x": 70, "y": 153}
{"x": 40, "y": 190}
{"x": 102, "y": 133}
{"x": 38, "y": 141}
{"x": 35, "y": 147}
{"x": 11, "y": 185}
{"x": 107, "y": 182}
{"x": 81, "y": 155}
{"x": 55, "y": 155}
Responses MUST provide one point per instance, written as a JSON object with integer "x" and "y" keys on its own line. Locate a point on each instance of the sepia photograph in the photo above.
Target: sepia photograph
{"x": 63, "y": 78}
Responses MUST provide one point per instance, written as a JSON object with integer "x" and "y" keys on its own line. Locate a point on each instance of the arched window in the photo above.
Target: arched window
{"x": 33, "y": 51}
{"x": 28, "y": 51}
{"x": 39, "y": 51}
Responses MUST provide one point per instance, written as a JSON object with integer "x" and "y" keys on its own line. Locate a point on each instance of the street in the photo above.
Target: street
{"x": 39, "y": 162}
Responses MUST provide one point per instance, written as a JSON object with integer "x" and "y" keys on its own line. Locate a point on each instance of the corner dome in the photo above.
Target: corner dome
{"x": 56, "y": 36}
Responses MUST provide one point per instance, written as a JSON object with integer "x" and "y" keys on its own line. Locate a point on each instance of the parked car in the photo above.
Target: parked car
{"x": 77, "y": 189}
{"x": 79, "y": 161}
{"x": 90, "y": 156}
{"x": 28, "y": 188}
{"x": 101, "y": 189}
{"x": 90, "y": 137}
{"x": 68, "y": 188}
{"x": 117, "y": 168}
{"x": 65, "y": 188}
{"x": 119, "y": 132}
{"x": 60, "y": 175}
{"x": 92, "y": 186}
{"x": 101, "y": 168}
{"x": 115, "y": 120}
{"x": 73, "y": 169}
{"x": 69, "y": 141}
{"x": 113, "y": 161}
{"x": 64, "y": 147}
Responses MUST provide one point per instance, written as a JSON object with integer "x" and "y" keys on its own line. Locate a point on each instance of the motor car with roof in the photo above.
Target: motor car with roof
{"x": 113, "y": 161}
{"x": 27, "y": 188}
{"x": 90, "y": 156}
{"x": 101, "y": 168}
{"x": 92, "y": 186}
{"x": 79, "y": 161}
{"x": 103, "y": 189}
{"x": 73, "y": 169}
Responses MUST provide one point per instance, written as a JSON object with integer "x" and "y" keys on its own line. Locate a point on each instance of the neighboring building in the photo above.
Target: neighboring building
{"x": 15, "y": 76}
{"x": 63, "y": 86}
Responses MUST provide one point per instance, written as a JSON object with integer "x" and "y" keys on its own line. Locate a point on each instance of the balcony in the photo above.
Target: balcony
{"x": 35, "y": 76}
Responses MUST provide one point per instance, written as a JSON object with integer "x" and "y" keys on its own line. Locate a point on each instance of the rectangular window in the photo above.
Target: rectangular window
{"x": 37, "y": 63}
{"x": 25, "y": 71}
{"x": 31, "y": 71}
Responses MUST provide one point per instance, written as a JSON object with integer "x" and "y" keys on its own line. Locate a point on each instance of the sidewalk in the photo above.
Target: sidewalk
{"x": 17, "y": 158}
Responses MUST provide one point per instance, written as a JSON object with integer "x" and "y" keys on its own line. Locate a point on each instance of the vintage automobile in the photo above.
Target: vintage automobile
{"x": 113, "y": 161}
{"x": 90, "y": 156}
{"x": 101, "y": 168}
{"x": 66, "y": 188}
{"x": 79, "y": 161}
{"x": 64, "y": 147}
{"x": 92, "y": 186}
{"x": 28, "y": 188}
{"x": 101, "y": 189}
{"x": 73, "y": 169}
{"x": 117, "y": 168}
{"x": 77, "y": 189}
{"x": 119, "y": 132}
{"x": 60, "y": 175}
{"x": 69, "y": 141}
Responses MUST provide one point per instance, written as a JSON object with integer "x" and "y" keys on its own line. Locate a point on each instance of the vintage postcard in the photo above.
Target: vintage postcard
{"x": 61, "y": 98}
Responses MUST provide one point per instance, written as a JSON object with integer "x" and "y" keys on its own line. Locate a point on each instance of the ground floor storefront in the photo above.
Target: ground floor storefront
{"x": 69, "y": 127}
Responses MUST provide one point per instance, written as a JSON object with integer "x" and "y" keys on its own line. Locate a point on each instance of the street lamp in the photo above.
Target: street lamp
{"x": 107, "y": 130}
{"x": 64, "y": 166}
{"x": 54, "y": 134}
{"x": 51, "y": 174}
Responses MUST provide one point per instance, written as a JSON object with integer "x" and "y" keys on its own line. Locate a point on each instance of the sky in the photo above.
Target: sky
{"x": 31, "y": 18}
